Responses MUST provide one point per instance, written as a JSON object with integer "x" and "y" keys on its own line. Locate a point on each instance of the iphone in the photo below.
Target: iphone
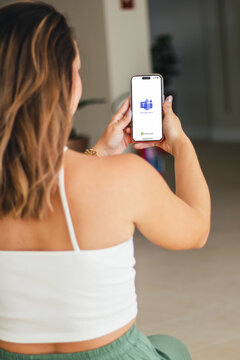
{"x": 147, "y": 96}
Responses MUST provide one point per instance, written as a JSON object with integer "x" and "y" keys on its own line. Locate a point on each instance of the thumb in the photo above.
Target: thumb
{"x": 167, "y": 105}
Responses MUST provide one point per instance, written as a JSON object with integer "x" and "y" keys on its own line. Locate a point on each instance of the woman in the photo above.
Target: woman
{"x": 67, "y": 219}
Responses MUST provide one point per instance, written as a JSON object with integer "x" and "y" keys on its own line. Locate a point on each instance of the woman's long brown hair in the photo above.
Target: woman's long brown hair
{"x": 36, "y": 55}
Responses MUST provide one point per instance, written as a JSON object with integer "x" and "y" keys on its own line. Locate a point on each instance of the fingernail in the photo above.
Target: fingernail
{"x": 129, "y": 112}
{"x": 170, "y": 98}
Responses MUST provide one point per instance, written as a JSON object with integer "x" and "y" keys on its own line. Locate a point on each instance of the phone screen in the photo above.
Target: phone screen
{"x": 147, "y": 92}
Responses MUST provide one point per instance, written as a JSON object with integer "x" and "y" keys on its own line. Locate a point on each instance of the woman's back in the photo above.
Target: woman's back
{"x": 94, "y": 198}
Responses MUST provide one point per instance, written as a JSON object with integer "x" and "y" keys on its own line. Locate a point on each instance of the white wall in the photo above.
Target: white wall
{"x": 128, "y": 42}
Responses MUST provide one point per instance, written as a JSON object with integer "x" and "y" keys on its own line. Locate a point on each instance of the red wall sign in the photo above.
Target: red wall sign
{"x": 127, "y": 4}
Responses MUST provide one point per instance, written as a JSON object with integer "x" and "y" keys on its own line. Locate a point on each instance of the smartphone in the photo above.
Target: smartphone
{"x": 147, "y": 96}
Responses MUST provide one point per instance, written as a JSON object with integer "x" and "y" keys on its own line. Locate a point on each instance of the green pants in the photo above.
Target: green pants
{"x": 133, "y": 345}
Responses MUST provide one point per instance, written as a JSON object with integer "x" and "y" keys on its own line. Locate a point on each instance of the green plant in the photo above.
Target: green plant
{"x": 164, "y": 59}
{"x": 74, "y": 133}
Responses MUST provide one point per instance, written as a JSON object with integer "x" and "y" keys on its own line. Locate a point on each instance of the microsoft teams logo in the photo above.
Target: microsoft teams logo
{"x": 147, "y": 104}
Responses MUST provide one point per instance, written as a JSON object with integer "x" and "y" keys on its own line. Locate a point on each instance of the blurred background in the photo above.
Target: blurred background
{"x": 195, "y": 44}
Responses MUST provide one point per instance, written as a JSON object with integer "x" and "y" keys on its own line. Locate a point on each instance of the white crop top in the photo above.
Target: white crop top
{"x": 66, "y": 296}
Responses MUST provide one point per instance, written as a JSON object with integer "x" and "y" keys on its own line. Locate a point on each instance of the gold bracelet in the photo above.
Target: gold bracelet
{"x": 90, "y": 152}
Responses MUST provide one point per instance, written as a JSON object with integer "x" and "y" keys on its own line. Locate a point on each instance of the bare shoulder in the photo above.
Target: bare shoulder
{"x": 77, "y": 162}
{"x": 109, "y": 173}
{"x": 112, "y": 175}
{"x": 125, "y": 174}
{"x": 131, "y": 191}
{"x": 98, "y": 195}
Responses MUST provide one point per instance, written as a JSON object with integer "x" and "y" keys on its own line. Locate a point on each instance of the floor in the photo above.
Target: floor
{"x": 194, "y": 295}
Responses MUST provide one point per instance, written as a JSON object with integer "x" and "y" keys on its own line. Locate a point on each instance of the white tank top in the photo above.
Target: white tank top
{"x": 65, "y": 296}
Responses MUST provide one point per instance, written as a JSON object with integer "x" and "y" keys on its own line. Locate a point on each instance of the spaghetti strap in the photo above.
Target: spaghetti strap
{"x": 66, "y": 209}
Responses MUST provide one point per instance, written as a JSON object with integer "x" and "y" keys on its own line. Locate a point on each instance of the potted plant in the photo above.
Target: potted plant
{"x": 77, "y": 141}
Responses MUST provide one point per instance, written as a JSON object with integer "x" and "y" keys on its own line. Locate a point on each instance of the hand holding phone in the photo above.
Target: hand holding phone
{"x": 174, "y": 135}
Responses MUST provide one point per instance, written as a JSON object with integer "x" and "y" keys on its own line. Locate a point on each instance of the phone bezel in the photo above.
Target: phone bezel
{"x": 162, "y": 96}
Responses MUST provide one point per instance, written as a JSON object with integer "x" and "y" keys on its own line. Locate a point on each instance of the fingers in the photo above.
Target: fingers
{"x": 144, "y": 145}
{"x": 124, "y": 121}
{"x": 122, "y": 110}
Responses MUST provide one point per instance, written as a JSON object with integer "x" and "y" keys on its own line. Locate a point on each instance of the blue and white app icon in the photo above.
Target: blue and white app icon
{"x": 147, "y": 104}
